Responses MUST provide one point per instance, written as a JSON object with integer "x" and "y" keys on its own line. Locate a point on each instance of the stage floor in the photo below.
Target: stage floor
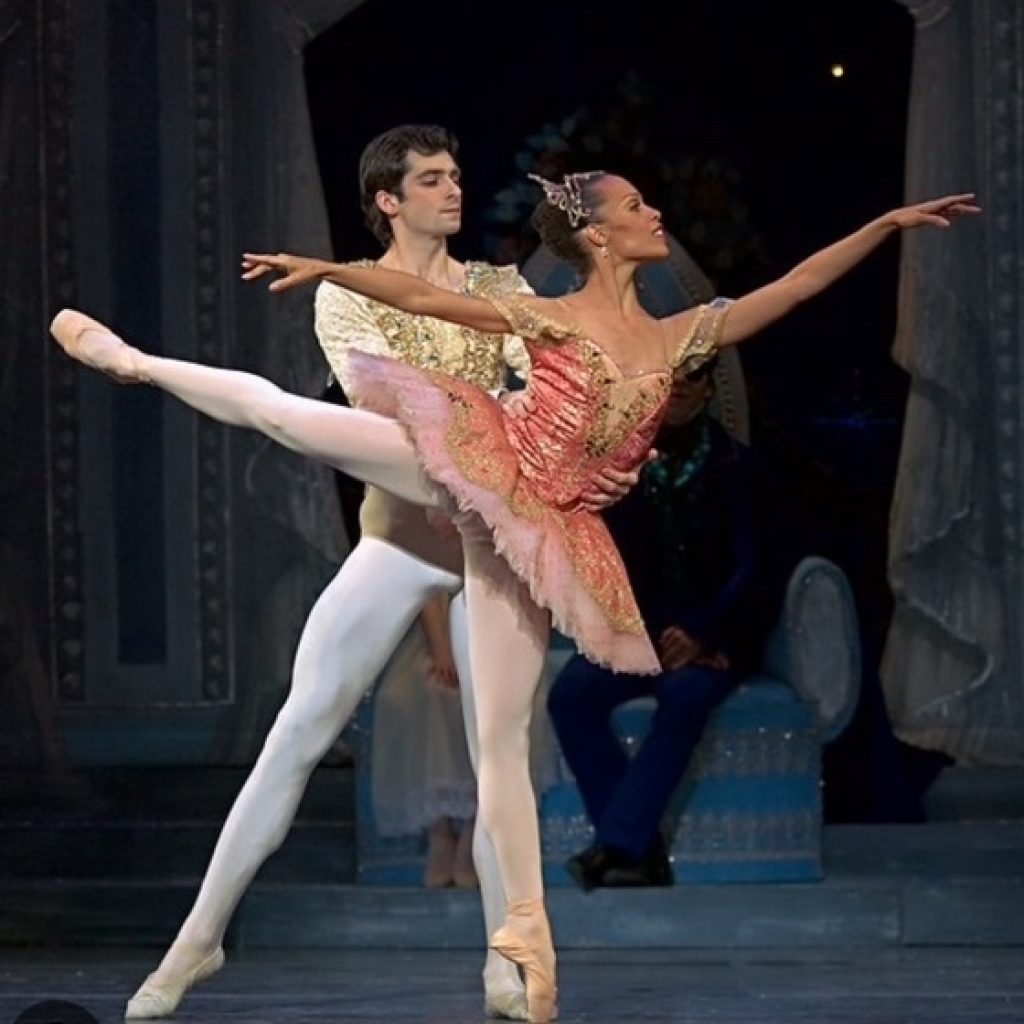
{"x": 894, "y": 986}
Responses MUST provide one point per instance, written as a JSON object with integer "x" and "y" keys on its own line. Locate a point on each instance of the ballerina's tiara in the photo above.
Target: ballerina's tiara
{"x": 567, "y": 194}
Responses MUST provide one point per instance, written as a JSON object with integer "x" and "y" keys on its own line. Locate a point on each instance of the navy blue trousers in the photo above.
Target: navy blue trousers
{"x": 626, "y": 797}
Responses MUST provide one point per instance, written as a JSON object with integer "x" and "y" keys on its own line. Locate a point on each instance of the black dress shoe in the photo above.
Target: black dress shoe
{"x": 588, "y": 868}
{"x": 655, "y": 869}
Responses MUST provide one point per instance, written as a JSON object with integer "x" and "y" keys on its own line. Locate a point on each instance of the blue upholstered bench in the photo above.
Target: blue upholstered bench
{"x": 749, "y": 807}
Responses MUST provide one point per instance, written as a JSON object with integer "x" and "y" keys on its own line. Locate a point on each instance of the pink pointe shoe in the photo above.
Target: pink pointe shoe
{"x": 89, "y": 342}
{"x": 525, "y": 939}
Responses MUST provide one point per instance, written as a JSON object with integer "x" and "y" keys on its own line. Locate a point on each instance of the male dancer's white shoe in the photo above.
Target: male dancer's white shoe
{"x": 161, "y": 998}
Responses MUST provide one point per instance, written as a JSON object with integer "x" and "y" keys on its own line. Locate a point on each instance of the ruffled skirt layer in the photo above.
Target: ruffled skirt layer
{"x": 566, "y": 558}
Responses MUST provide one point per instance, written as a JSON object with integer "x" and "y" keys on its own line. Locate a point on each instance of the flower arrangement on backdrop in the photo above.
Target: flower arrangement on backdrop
{"x": 699, "y": 193}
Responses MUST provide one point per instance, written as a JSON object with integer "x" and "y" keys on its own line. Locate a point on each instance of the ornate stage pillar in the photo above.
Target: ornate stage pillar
{"x": 29, "y": 739}
{"x": 953, "y": 669}
{"x": 181, "y": 557}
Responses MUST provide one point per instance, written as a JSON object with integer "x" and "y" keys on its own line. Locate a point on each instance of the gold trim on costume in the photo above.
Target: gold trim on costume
{"x": 702, "y": 339}
{"x": 523, "y": 317}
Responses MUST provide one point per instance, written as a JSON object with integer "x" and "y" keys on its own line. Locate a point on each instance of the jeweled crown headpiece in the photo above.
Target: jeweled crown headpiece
{"x": 567, "y": 194}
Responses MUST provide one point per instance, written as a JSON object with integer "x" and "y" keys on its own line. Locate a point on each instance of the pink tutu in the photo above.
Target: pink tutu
{"x": 562, "y": 552}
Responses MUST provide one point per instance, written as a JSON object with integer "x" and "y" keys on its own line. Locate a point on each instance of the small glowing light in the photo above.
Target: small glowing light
{"x": 837, "y": 70}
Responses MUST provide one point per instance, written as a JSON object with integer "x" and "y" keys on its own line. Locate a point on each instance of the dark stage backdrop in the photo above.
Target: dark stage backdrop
{"x": 144, "y": 145}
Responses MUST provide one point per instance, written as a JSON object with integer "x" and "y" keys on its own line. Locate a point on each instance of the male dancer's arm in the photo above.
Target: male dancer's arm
{"x": 344, "y": 323}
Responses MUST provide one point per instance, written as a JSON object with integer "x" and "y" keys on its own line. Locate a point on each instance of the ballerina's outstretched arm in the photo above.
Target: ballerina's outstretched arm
{"x": 403, "y": 291}
{"x": 755, "y": 311}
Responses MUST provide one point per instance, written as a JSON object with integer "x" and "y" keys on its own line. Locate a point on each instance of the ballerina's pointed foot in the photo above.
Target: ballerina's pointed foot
{"x": 525, "y": 939}
{"x": 90, "y": 342}
{"x": 159, "y": 995}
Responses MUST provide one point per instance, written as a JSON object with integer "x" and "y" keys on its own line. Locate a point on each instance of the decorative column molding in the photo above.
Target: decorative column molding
{"x": 1001, "y": 53}
{"x": 210, "y": 326}
{"x": 56, "y": 62}
{"x": 241, "y": 539}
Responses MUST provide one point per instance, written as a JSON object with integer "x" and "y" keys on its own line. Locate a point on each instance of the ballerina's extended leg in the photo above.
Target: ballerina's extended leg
{"x": 371, "y": 448}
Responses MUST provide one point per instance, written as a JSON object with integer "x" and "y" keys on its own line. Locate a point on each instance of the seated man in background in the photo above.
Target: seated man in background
{"x": 687, "y": 537}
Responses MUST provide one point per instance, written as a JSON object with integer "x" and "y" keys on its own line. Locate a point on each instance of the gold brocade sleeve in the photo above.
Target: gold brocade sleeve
{"x": 344, "y": 321}
{"x": 701, "y": 340}
{"x": 489, "y": 281}
{"x": 528, "y": 317}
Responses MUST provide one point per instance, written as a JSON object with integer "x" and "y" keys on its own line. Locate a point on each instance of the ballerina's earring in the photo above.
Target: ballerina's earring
{"x": 604, "y": 252}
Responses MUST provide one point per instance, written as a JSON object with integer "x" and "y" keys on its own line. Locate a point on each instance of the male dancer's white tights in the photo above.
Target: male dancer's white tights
{"x": 353, "y": 627}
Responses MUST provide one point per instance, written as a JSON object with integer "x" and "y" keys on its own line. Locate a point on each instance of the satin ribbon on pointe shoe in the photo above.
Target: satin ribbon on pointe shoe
{"x": 160, "y": 999}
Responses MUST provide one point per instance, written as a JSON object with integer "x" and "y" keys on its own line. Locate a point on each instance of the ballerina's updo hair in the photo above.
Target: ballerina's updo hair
{"x": 568, "y": 206}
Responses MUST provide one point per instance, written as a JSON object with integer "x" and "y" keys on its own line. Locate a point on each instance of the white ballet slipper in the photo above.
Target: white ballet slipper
{"x": 161, "y": 998}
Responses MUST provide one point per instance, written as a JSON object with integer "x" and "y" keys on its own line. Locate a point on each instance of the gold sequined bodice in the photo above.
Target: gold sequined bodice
{"x": 588, "y": 416}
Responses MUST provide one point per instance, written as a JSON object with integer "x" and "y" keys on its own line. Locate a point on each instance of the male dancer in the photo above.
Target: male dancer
{"x": 411, "y": 197}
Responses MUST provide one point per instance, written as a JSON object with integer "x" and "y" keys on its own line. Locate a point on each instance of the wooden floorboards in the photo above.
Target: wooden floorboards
{"x": 838, "y": 986}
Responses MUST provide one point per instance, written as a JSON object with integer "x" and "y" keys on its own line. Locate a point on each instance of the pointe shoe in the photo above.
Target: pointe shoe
{"x": 504, "y": 994}
{"x": 90, "y": 342}
{"x": 506, "y": 1004}
{"x": 525, "y": 939}
{"x": 161, "y": 998}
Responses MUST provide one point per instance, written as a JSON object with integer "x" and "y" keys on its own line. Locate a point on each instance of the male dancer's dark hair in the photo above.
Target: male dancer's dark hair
{"x": 385, "y": 162}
